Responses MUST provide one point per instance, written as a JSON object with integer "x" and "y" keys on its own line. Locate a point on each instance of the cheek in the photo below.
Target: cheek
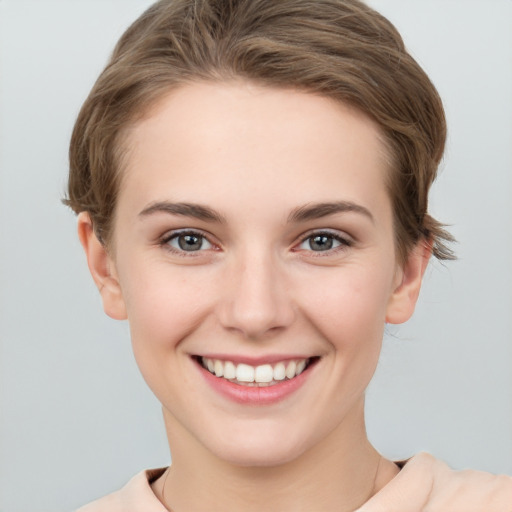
{"x": 163, "y": 306}
{"x": 350, "y": 306}
{"x": 161, "y": 315}
{"x": 350, "y": 314}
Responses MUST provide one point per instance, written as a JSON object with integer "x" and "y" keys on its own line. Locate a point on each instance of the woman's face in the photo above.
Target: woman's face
{"x": 253, "y": 234}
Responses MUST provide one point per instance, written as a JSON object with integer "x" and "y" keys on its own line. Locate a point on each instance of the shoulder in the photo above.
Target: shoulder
{"x": 135, "y": 496}
{"x": 426, "y": 483}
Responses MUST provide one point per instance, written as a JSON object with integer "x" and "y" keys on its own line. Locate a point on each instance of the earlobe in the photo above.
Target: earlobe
{"x": 403, "y": 299}
{"x": 102, "y": 269}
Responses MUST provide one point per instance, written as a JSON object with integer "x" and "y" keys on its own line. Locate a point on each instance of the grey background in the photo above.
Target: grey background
{"x": 76, "y": 418}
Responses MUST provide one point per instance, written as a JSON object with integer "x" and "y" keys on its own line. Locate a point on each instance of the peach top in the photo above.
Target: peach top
{"x": 423, "y": 480}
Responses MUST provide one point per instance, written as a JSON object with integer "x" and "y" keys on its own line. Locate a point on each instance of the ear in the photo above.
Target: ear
{"x": 102, "y": 269}
{"x": 408, "y": 283}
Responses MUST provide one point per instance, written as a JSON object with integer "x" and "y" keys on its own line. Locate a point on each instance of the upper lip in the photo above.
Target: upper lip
{"x": 255, "y": 361}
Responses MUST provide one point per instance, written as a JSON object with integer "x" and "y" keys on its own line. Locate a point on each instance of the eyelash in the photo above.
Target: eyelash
{"x": 166, "y": 240}
{"x": 344, "y": 243}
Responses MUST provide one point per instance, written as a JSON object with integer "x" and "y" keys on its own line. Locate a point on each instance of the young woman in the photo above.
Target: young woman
{"x": 251, "y": 179}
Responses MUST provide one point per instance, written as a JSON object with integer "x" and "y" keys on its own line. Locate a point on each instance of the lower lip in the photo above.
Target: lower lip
{"x": 255, "y": 395}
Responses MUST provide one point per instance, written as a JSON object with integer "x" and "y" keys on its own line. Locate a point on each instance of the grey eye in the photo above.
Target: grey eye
{"x": 189, "y": 242}
{"x": 320, "y": 242}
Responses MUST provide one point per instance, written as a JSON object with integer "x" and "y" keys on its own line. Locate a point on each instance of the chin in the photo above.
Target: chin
{"x": 258, "y": 449}
{"x": 259, "y": 457}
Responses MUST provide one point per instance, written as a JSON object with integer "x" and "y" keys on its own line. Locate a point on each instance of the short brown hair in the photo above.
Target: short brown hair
{"x": 341, "y": 49}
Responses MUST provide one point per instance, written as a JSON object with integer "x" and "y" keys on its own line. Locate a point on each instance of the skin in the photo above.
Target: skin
{"x": 256, "y": 288}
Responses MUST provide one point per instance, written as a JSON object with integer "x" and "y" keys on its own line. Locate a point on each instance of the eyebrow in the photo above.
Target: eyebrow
{"x": 185, "y": 209}
{"x": 313, "y": 211}
{"x": 307, "y": 212}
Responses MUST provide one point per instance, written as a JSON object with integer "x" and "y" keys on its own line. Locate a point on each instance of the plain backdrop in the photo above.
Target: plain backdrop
{"x": 77, "y": 420}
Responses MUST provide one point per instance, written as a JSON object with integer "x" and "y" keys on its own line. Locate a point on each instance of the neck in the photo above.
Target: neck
{"x": 338, "y": 474}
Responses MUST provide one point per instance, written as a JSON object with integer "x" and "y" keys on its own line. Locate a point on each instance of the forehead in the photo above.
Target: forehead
{"x": 205, "y": 138}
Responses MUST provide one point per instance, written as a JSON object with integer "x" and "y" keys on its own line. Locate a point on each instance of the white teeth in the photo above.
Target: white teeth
{"x": 300, "y": 367}
{"x": 229, "y": 370}
{"x": 265, "y": 374}
{"x": 279, "y": 371}
{"x": 244, "y": 373}
{"x": 218, "y": 368}
{"x": 290, "y": 369}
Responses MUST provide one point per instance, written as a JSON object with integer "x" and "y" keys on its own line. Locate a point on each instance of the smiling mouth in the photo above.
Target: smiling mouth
{"x": 256, "y": 376}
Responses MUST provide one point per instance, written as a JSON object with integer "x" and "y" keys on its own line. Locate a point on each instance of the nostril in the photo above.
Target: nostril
{"x": 255, "y": 302}
{"x": 257, "y": 319}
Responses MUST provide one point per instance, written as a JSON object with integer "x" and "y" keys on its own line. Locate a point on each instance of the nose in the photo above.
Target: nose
{"x": 256, "y": 302}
